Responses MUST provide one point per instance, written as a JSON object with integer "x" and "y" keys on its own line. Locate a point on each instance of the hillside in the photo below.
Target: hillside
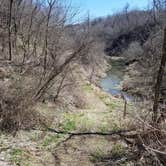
{"x": 138, "y": 42}
{"x": 90, "y": 110}
{"x": 90, "y": 94}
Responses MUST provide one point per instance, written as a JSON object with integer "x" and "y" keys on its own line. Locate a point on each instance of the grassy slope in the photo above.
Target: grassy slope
{"x": 101, "y": 112}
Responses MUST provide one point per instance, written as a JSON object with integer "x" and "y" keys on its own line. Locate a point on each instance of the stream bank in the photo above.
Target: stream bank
{"x": 113, "y": 82}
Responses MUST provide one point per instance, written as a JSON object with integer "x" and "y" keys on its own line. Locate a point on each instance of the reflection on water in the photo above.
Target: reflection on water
{"x": 112, "y": 83}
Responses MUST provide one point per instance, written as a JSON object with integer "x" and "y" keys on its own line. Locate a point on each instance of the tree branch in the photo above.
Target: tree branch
{"x": 118, "y": 132}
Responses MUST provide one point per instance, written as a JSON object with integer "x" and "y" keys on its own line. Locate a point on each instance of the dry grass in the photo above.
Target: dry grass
{"x": 16, "y": 108}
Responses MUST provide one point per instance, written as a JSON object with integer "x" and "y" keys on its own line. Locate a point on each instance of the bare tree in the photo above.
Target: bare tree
{"x": 159, "y": 80}
{"x": 57, "y": 70}
{"x": 51, "y": 4}
{"x": 9, "y": 29}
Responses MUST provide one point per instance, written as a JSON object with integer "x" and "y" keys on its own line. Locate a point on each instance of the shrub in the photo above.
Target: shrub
{"x": 118, "y": 151}
{"x": 15, "y": 108}
{"x": 98, "y": 155}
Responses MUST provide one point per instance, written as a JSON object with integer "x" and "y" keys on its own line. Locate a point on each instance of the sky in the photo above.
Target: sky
{"x": 98, "y": 8}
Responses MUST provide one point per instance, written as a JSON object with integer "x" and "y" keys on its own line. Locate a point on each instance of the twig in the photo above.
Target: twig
{"x": 154, "y": 150}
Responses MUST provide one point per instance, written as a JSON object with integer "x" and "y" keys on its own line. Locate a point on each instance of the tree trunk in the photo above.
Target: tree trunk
{"x": 51, "y": 4}
{"x": 159, "y": 80}
{"x": 9, "y": 29}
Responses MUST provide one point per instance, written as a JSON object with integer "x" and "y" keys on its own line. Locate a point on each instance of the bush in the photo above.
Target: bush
{"x": 15, "y": 108}
{"x": 98, "y": 155}
{"x": 118, "y": 151}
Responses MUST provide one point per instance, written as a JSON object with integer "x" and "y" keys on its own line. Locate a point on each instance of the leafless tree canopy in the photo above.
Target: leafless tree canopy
{"x": 39, "y": 46}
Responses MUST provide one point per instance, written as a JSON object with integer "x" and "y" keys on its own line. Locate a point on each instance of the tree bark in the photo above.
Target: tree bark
{"x": 159, "y": 80}
{"x": 9, "y": 29}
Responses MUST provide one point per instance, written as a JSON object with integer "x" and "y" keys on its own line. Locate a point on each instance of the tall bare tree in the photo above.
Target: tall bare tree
{"x": 9, "y": 29}
{"x": 51, "y": 4}
{"x": 159, "y": 80}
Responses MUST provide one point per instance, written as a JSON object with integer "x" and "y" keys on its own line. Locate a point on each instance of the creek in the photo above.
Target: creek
{"x": 112, "y": 83}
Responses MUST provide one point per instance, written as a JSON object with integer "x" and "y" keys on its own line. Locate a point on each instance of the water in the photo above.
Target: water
{"x": 112, "y": 83}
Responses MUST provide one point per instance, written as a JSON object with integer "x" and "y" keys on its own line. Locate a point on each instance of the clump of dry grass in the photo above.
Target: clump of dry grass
{"x": 16, "y": 108}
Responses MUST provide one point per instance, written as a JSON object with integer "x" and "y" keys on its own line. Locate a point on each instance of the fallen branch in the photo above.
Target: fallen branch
{"x": 154, "y": 150}
{"x": 73, "y": 134}
{"x": 118, "y": 132}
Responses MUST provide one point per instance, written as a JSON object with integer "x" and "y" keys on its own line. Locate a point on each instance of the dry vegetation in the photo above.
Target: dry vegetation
{"x": 141, "y": 42}
{"x": 38, "y": 50}
{"x": 46, "y": 60}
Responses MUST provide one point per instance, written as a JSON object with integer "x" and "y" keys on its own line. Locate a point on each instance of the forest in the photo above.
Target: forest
{"x": 88, "y": 93}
